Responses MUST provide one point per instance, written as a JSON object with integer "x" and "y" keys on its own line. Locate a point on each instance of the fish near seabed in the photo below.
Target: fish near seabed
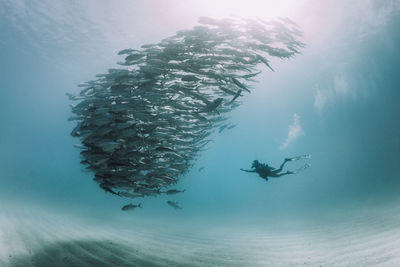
{"x": 131, "y": 206}
{"x": 174, "y": 204}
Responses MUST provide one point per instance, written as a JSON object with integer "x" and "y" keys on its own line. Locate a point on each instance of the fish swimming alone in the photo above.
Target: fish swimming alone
{"x": 174, "y": 191}
{"x": 131, "y": 206}
{"x": 174, "y": 204}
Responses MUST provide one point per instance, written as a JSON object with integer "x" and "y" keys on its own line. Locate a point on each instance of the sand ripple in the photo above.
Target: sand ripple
{"x": 363, "y": 240}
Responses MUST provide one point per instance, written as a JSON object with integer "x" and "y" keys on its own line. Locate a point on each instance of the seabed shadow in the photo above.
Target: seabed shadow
{"x": 88, "y": 253}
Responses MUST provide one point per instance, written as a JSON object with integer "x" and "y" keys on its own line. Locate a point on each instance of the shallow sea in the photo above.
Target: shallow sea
{"x": 337, "y": 100}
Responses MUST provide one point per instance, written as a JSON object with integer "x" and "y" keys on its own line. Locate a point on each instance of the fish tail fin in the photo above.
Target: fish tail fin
{"x": 140, "y": 205}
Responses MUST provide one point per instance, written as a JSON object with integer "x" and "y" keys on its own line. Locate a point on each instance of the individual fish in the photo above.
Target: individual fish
{"x": 235, "y": 96}
{"x": 212, "y": 106}
{"x": 174, "y": 191}
{"x": 238, "y": 83}
{"x": 231, "y": 92}
{"x": 79, "y": 146}
{"x": 222, "y": 128}
{"x": 131, "y": 206}
{"x": 106, "y": 188}
{"x": 190, "y": 78}
{"x": 174, "y": 204}
{"x": 109, "y": 146}
{"x": 147, "y": 46}
{"x": 201, "y": 168}
{"x": 73, "y": 97}
{"x": 126, "y": 51}
{"x": 165, "y": 149}
{"x": 265, "y": 61}
{"x": 251, "y": 75}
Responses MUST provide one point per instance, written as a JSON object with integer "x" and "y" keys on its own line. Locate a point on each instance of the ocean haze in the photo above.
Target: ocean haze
{"x": 337, "y": 100}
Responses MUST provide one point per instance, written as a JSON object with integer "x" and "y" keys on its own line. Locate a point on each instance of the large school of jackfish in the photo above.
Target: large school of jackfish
{"x": 143, "y": 125}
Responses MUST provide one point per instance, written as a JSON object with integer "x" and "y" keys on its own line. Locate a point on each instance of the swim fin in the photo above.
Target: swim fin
{"x": 302, "y": 168}
{"x": 307, "y": 156}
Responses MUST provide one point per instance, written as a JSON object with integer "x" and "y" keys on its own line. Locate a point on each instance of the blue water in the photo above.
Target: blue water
{"x": 339, "y": 96}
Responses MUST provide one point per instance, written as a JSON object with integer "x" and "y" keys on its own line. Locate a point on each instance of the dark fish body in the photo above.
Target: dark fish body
{"x": 108, "y": 189}
{"x": 236, "y": 96}
{"x": 251, "y": 75}
{"x": 265, "y": 61}
{"x": 190, "y": 78}
{"x": 174, "y": 191}
{"x": 222, "y": 128}
{"x": 241, "y": 85}
{"x": 134, "y": 57}
{"x": 125, "y": 51}
{"x": 131, "y": 207}
{"x": 212, "y": 106}
{"x": 174, "y": 204}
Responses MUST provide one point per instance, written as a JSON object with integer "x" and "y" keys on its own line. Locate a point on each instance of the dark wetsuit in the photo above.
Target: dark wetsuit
{"x": 266, "y": 171}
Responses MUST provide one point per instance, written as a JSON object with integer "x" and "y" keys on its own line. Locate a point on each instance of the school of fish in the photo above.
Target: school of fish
{"x": 143, "y": 125}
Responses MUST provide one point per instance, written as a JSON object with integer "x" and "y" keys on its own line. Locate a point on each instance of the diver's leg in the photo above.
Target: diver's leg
{"x": 281, "y": 167}
{"x": 293, "y": 172}
{"x": 284, "y": 173}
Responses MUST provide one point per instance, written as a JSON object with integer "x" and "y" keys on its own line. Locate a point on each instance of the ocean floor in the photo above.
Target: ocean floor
{"x": 358, "y": 238}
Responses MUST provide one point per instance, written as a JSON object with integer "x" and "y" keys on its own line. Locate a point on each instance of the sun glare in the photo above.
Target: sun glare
{"x": 266, "y": 9}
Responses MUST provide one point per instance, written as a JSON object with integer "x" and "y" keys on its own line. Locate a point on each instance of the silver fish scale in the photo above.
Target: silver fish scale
{"x": 142, "y": 126}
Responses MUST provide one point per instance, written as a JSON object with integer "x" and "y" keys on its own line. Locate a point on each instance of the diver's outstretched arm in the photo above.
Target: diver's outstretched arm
{"x": 248, "y": 170}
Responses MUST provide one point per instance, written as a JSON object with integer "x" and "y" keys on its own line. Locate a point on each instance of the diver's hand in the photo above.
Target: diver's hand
{"x": 247, "y": 170}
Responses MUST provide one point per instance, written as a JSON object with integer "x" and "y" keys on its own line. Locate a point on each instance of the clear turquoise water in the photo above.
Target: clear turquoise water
{"x": 344, "y": 88}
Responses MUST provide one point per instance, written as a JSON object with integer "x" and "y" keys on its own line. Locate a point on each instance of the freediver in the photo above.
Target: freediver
{"x": 265, "y": 171}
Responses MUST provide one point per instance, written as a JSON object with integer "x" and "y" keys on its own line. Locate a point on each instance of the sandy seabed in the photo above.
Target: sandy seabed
{"x": 46, "y": 239}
